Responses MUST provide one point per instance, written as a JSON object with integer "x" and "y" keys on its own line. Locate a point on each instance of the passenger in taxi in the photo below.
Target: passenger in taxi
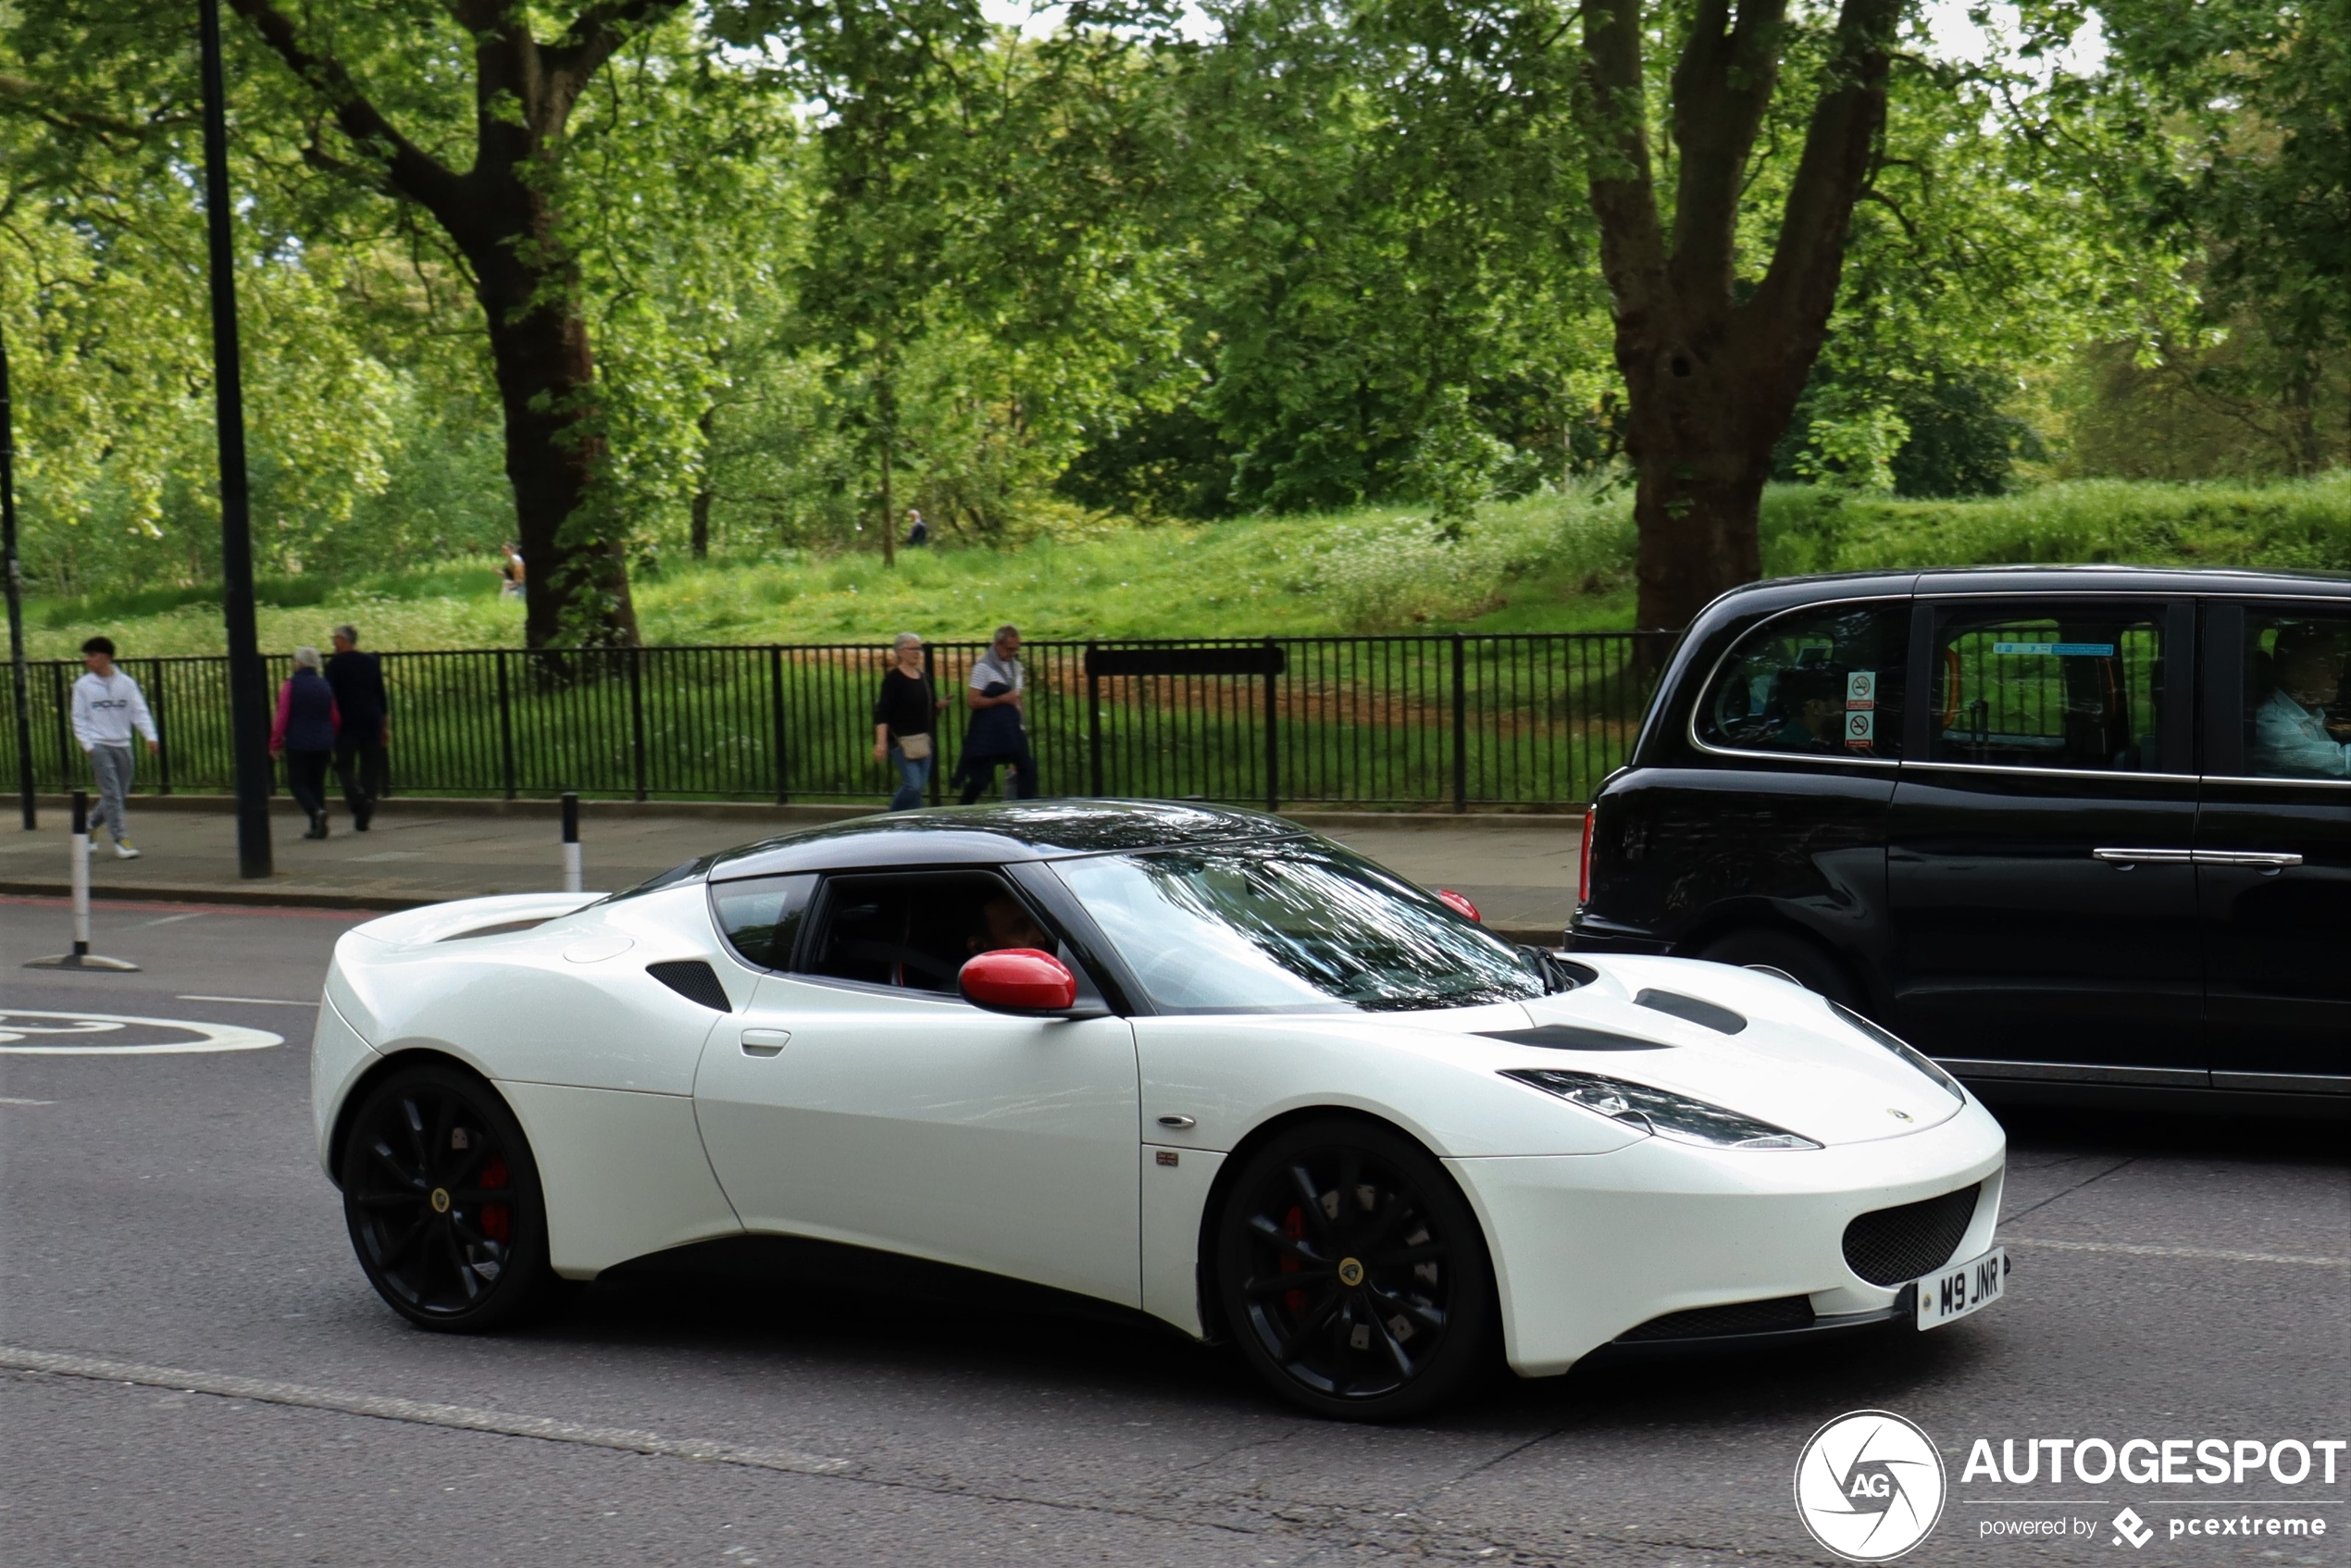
{"x": 1812, "y": 700}
{"x": 2292, "y": 736}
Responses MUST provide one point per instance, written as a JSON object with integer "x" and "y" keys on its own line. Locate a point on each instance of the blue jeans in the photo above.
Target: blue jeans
{"x": 913, "y": 776}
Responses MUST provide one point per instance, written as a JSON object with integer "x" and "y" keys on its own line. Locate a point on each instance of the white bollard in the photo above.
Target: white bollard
{"x": 572, "y": 882}
{"x": 81, "y": 957}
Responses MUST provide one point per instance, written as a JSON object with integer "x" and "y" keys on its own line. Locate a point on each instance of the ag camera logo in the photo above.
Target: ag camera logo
{"x": 1870, "y": 1486}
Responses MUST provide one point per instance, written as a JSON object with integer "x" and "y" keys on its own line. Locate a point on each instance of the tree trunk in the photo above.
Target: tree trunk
{"x": 576, "y": 589}
{"x": 1712, "y": 377}
{"x": 886, "y": 404}
{"x": 499, "y": 214}
{"x": 698, "y": 538}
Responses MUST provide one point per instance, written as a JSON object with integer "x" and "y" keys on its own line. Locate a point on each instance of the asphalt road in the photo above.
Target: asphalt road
{"x": 164, "y": 1229}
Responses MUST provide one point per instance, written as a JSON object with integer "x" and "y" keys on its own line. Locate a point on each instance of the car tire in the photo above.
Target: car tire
{"x": 1793, "y": 957}
{"x": 1395, "y": 1295}
{"x": 443, "y": 1200}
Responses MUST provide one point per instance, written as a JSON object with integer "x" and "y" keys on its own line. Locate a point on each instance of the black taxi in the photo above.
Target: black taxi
{"x": 2067, "y": 829}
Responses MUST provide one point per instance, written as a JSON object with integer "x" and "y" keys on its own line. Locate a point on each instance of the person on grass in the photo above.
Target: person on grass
{"x": 107, "y": 707}
{"x": 304, "y": 735}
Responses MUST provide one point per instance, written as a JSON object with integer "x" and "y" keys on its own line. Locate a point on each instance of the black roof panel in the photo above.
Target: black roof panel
{"x": 993, "y": 834}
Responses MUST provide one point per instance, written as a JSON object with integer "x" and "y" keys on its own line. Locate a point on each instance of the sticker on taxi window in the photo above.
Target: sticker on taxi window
{"x": 1861, "y": 731}
{"x": 1860, "y": 691}
{"x": 2059, "y": 649}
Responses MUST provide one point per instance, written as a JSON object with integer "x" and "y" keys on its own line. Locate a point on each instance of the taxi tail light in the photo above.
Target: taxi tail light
{"x": 1018, "y": 980}
{"x": 1584, "y": 862}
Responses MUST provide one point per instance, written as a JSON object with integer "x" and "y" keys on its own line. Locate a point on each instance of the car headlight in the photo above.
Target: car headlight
{"x": 1662, "y": 1112}
{"x": 1901, "y": 1048}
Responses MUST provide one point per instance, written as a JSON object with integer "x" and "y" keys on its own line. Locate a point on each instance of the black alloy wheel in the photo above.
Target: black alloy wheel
{"x": 1353, "y": 1273}
{"x": 442, "y": 1199}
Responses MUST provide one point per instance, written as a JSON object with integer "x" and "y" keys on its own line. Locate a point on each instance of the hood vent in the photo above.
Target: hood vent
{"x": 1722, "y": 1020}
{"x": 1574, "y": 1036}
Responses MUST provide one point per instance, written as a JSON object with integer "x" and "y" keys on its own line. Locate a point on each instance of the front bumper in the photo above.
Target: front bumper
{"x": 1587, "y": 1248}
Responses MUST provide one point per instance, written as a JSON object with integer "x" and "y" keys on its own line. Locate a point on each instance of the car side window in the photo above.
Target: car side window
{"x": 2298, "y": 715}
{"x": 761, "y": 915}
{"x": 1822, "y": 682}
{"x": 915, "y": 930}
{"x": 2025, "y": 686}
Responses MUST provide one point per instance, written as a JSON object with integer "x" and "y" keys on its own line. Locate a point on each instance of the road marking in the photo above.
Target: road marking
{"x": 210, "y": 1036}
{"x": 9, "y": 1100}
{"x": 192, "y": 915}
{"x": 250, "y": 1001}
{"x": 420, "y": 1413}
{"x": 2215, "y": 1254}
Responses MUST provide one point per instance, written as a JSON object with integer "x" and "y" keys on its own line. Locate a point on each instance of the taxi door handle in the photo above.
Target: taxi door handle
{"x": 2128, "y": 858}
{"x": 2260, "y": 859}
{"x": 766, "y": 1042}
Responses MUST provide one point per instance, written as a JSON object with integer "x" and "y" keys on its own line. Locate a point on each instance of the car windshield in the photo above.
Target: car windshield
{"x": 1293, "y": 927}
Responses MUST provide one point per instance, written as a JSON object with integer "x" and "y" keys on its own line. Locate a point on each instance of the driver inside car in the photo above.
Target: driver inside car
{"x": 2292, "y": 737}
{"x": 1004, "y": 923}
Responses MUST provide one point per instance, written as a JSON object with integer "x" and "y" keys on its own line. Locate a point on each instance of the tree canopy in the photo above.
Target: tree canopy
{"x": 620, "y": 278}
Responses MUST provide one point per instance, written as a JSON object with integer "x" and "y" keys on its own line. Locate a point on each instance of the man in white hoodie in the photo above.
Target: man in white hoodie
{"x": 106, "y": 707}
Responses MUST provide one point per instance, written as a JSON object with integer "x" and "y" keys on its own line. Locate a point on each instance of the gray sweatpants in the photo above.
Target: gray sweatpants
{"x": 111, "y": 766}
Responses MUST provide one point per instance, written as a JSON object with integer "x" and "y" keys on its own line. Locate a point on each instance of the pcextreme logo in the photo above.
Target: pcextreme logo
{"x": 1870, "y": 1486}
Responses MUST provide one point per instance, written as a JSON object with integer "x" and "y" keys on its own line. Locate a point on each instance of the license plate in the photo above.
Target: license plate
{"x": 1963, "y": 1288}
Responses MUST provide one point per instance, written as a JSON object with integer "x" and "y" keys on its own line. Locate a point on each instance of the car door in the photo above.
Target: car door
{"x": 859, "y": 1098}
{"x": 2273, "y": 845}
{"x": 2038, "y": 867}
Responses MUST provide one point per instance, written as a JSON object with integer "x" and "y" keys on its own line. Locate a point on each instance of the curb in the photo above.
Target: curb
{"x": 289, "y": 899}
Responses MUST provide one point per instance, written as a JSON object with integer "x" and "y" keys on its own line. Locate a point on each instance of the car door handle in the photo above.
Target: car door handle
{"x": 2261, "y": 859}
{"x": 766, "y": 1042}
{"x": 2128, "y": 858}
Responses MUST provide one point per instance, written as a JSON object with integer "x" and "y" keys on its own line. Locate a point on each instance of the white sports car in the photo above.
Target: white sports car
{"x": 1195, "y": 1061}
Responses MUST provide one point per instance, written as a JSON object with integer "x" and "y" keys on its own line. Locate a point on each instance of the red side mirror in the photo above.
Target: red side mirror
{"x": 1018, "y": 980}
{"x": 1458, "y": 904}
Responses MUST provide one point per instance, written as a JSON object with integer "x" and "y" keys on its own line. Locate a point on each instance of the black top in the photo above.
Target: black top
{"x": 1015, "y": 830}
{"x": 904, "y": 703}
{"x": 358, "y": 681}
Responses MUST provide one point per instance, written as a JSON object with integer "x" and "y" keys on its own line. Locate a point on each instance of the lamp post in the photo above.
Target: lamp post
{"x": 248, "y": 686}
{"x": 20, "y": 676}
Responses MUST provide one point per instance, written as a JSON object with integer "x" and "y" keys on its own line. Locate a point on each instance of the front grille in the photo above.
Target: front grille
{"x": 1891, "y": 1246}
{"x": 1739, "y": 1317}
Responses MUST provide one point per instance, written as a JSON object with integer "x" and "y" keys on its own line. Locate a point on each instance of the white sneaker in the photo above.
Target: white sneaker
{"x": 124, "y": 851}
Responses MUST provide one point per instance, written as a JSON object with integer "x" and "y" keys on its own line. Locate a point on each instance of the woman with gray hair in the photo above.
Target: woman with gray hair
{"x": 304, "y": 735}
{"x": 903, "y": 722}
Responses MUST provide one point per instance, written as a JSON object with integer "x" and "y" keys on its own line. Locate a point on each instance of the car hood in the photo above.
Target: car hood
{"x": 1792, "y": 1063}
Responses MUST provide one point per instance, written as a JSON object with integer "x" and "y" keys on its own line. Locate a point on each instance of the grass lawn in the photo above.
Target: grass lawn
{"x": 1551, "y": 563}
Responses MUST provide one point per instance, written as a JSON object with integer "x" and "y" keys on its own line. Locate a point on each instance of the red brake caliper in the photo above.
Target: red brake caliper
{"x": 495, "y": 1222}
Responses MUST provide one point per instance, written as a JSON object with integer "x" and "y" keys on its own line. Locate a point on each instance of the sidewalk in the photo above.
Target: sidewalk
{"x": 1519, "y": 871}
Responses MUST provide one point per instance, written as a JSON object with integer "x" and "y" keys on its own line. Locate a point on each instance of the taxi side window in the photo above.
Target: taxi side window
{"x": 761, "y": 915}
{"x": 2297, "y": 713}
{"x": 1824, "y": 682}
{"x": 2017, "y": 687}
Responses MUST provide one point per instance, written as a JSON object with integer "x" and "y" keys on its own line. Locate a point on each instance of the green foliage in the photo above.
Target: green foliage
{"x": 2292, "y": 526}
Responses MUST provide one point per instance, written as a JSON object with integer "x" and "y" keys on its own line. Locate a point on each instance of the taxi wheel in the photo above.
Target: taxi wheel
{"x": 441, "y": 1198}
{"x": 1353, "y": 1273}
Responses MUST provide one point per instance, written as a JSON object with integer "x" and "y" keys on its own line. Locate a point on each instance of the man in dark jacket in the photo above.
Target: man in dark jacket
{"x": 360, "y": 761}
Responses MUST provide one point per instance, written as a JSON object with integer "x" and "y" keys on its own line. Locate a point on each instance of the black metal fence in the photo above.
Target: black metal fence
{"x": 1528, "y": 720}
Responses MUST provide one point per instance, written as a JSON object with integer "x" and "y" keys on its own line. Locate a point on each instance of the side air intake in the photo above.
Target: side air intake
{"x": 694, "y": 980}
